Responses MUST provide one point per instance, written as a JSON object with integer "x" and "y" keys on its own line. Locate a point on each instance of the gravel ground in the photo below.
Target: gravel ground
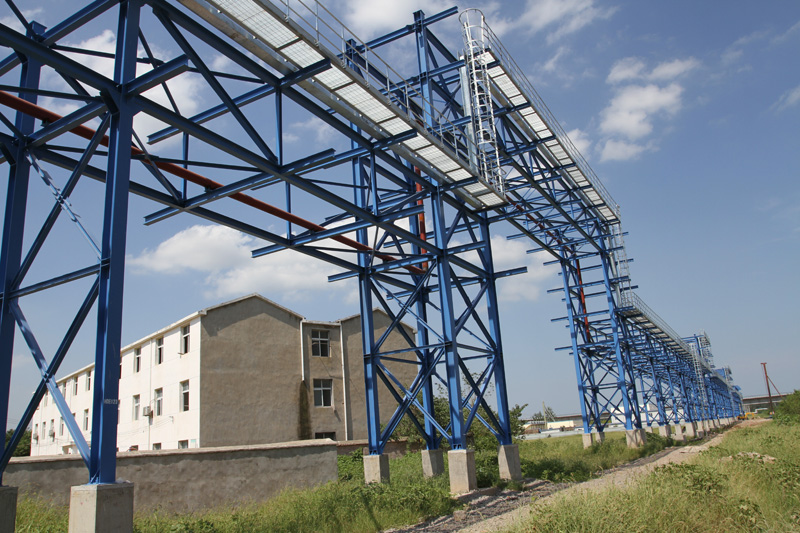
{"x": 492, "y": 509}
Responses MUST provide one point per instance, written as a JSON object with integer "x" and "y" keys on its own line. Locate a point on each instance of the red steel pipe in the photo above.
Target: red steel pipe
{"x": 46, "y": 115}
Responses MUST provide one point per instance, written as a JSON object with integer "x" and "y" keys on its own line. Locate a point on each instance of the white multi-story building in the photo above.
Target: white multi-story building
{"x": 243, "y": 372}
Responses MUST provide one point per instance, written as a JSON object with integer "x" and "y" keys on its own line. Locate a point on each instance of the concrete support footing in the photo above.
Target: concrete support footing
{"x": 593, "y": 438}
{"x": 690, "y": 430}
{"x": 101, "y": 508}
{"x": 376, "y": 468}
{"x": 635, "y": 438}
{"x": 462, "y": 471}
{"x": 665, "y": 431}
{"x": 677, "y": 433}
{"x": 8, "y": 508}
{"x": 508, "y": 459}
{"x": 432, "y": 463}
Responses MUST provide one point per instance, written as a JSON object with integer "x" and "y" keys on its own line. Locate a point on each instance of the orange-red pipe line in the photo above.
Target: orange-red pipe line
{"x": 88, "y": 133}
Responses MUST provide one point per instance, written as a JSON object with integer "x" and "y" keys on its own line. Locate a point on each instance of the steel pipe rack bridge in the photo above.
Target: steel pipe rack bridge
{"x": 414, "y": 165}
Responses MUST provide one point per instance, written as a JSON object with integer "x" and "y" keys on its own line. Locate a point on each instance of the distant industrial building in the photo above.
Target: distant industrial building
{"x": 248, "y": 371}
{"x": 761, "y": 403}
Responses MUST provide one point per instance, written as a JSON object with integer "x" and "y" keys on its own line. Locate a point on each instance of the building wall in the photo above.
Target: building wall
{"x": 141, "y": 432}
{"x": 47, "y": 416}
{"x": 352, "y": 339}
{"x": 188, "y": 480}
{"x": 251, "y": 375}
{"x": 251, "y": 389}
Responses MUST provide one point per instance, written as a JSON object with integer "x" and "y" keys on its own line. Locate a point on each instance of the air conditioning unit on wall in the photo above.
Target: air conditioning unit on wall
{"x": 147, "y": 411}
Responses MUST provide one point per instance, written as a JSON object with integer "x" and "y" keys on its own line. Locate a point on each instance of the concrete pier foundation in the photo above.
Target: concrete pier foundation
{"x": 8, "y": 508}
{"x": 588, "y": 440}
{"x": 103, "y": 508}
{"x": 690, "y": 430}
{"x": 677, "y": 433}
{"x": 635, "y": 438}
{"x": 665, "y": 430}
{"x": 462, "y": 471}
{"x": 508, "y": 459}
{"x": 376, "y": 468}
{"x": 432, "y": 463}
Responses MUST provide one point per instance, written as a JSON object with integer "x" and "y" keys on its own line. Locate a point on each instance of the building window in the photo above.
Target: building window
{"x": 89, "y": 380}
{"x": 185, "y": 339}
{"x": 136, "y": 407}
{"x": 159, "y": 350}
{"x": 61, "y": 428}
{"x": 156, "y": 445}
{"x": 323, "y": 392}
{"x": 64, "y": 389}
{"x": 137, "y": 359}
{"x": 44, "y": 430}
{"x": 184, "y": 399}
{"x": 35, "y": 431}
{"x": 320, "y": 343}
{"x": 46, "y": 394}
{"x": 325, "y": 435}
{"x": 75, "y": 387}
{"x": 52, "y": 430}
{"x": 183, "y": 444}
{"x": 158, "y": 394}
{"x": 86, "y": 420}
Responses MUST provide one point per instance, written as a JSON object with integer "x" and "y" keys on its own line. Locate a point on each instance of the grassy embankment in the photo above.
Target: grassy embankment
{"x": 718, "y": 491}
{"x": 348, "y": 505}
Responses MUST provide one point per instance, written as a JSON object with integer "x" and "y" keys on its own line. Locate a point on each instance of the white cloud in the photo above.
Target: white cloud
{"x": 322, "y": 131}
{"x": 558, "y": 17}
{"x": 13, "y": 22}
{"x": 509, "y": 254}
{"x": 552, "y": 64}
{"x": 632, "y": 110}
{"x": 615, "y": 150}
{"x": 580, "y": 140}
{"x": 369, "y": 18}
{"x": 633, "y": 68}
{"x": 788, "y": 99}
{"x": 788, "y": 34}
{"x": 628, "y": 68}
{"x": 670, "y": 70}
{"x": 185, "y": 89}
{"x": 223, "y": 255}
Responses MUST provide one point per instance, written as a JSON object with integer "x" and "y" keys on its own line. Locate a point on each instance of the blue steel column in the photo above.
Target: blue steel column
{"x": 13, "y": 233}
{"x": 102, "y": 465}
{"x": 361, "y": 187}
{"x": 457, "y": 425}
{"x": 422, "y": 334}
{"x": 493, "y": 313}
{"x": 573, "y": 334}
{"x": 627, "y": 388}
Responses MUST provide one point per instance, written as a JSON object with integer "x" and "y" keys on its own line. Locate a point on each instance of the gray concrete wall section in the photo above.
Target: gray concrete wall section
{"x": 250, "y": 386}
{"x": 331, "y": 419}
{"x": 189, "y": 480}
{"x": 8, "y": 508}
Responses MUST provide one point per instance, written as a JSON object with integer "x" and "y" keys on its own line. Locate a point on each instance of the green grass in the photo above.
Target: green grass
{"x": 348, "y": 505}
{"x": 719, "y": 491}
{"x": 565, "y": 459}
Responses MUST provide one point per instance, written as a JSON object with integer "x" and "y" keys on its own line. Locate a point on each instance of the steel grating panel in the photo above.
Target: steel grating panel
{"x": 261, "y": 23}
{"x": 302, "y": 54}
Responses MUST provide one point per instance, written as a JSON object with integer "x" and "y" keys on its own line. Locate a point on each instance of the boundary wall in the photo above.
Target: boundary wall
{"x": 188, "y": 480}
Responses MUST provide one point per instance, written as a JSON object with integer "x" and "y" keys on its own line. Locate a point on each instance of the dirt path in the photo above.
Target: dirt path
{"x": 494, "y": 510}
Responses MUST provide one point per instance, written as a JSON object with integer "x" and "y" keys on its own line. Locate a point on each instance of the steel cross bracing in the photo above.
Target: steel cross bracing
{"x": 392, "y": 196}
{"x": 403, "y": 162}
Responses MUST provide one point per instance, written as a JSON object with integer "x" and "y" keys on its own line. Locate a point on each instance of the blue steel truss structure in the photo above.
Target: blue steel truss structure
{"x": 413, "y": 172}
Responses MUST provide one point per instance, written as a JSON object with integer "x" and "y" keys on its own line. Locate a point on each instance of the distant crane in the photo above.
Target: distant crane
{"x": 769, "y": 392}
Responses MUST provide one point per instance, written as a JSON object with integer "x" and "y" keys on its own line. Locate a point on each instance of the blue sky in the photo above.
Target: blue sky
{"x": 689, "y": 113}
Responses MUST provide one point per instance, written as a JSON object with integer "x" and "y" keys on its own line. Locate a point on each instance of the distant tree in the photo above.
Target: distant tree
{"x": 548, "y": 412}
{"x": 24, "y": 447}
{"x": 788, "y": 411}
